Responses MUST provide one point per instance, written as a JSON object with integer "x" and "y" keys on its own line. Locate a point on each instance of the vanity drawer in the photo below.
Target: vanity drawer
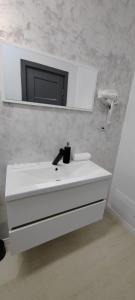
{"x": 32, "y": 208}
{"x": 29, "y": 236}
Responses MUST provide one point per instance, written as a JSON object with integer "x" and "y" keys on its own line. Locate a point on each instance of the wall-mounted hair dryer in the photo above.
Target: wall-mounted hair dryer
{"x": 108, "y": 98}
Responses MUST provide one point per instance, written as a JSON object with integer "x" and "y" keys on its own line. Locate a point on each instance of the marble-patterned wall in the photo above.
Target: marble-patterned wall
{"x": 97, "y": 32}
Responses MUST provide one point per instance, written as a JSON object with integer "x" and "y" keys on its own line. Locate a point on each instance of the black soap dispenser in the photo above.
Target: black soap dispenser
{"x": 66, "y": 156}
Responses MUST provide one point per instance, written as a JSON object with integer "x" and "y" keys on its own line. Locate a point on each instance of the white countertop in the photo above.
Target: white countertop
{"x": 25, "y": 180}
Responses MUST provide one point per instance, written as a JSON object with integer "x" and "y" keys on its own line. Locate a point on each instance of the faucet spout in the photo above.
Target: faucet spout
{"x": 58, "y": 157}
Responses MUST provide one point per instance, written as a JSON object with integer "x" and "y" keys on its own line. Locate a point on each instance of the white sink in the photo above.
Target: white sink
{"x": 27, "y": 179}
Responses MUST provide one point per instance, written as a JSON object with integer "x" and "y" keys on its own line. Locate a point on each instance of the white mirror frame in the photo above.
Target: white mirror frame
{"x": 81, "y": 82}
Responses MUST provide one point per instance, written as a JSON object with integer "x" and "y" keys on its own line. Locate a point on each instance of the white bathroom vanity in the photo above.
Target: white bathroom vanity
{"x": 46, "y": 201}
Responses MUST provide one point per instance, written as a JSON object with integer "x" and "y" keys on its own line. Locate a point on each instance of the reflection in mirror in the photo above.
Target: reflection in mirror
{"x": 29, "y": 76}
{"x": 43, "y": 84}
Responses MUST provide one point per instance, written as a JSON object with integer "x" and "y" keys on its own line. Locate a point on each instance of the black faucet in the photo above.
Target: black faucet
{"x": 58, "y": 157}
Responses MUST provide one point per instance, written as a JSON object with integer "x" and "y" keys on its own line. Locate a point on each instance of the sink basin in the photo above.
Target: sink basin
{"x": 27, "y": 179}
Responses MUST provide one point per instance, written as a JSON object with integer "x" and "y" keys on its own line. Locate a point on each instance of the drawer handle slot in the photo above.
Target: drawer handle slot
{"x": 58, "y": 214}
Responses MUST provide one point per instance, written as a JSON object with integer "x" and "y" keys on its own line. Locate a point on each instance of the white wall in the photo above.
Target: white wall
{"x": 122, "y": 196}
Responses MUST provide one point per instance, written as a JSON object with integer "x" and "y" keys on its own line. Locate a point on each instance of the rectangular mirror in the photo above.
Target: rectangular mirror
{"x": 37, "y": 78}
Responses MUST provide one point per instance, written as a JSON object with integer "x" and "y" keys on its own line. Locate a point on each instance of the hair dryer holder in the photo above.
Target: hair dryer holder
{"x": 108, "y": 98}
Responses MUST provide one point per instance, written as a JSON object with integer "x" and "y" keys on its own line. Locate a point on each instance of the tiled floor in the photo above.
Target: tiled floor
{"x": 94, "y": 263}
